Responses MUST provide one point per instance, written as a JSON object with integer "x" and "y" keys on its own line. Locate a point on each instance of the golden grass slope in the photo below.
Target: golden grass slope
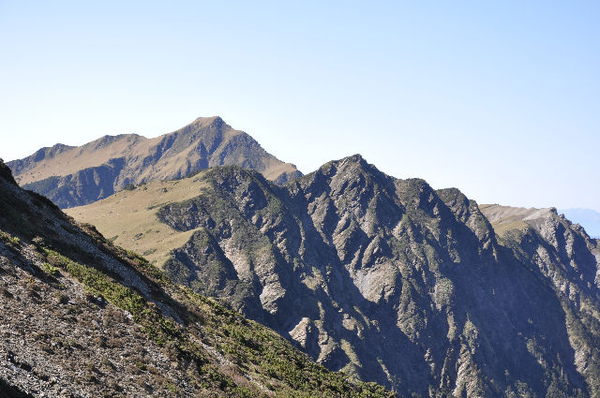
{"x": 92, "y": 154}
{"x": 128, "y": 218}
{"x": 96, "y": 153}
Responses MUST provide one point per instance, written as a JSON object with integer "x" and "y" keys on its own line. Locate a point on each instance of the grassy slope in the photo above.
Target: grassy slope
{"x": 128, "y": 218}
{"x": 505, "y": 218}
{"x": 92, "y": 154}
{"x": 134, "y": 148}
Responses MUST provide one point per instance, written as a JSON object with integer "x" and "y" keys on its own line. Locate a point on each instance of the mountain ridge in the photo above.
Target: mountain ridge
{"x": 73, "y": 176}
{"x": 393, "y": 281}
{"x": 81, "y": 317}
{"x": 388, "y": 280}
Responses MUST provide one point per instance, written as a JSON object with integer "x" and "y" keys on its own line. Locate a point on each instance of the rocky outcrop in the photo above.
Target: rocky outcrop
{"x": 6, "y": 174}
{"x": 73, "y": 176}
{"x": 586, "y": 217}
{"x": 392, "y": 281}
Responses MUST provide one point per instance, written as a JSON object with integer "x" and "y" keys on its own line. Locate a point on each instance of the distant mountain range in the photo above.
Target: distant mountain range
{"x": 589, "y": 219}
{"x": 72, "y": 176}
{"x": 388, "y": 280}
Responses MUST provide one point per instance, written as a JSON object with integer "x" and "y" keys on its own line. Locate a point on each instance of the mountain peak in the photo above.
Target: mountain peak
{"x": 352, "y": 161}
{"x": 73, "y": 176}
{"x": 216, "y": 121}
{"x": 357, "y": 157}
{"x": 350, "y": 167}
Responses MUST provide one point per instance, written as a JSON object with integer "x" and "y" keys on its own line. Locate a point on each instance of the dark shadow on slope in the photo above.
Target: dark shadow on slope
{"x": 8, "y": 391}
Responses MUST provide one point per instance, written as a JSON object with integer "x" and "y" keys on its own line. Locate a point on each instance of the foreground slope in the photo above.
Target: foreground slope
{"x": 72, "y": 176}
{"x": 388, "y": 280}
{"x": 79, "y": 317}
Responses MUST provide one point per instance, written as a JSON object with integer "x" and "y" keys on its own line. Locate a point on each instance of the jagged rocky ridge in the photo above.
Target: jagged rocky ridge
{"x": 392, "y": 281}
{"x": 82, "y": 318}
{"x": 74, "y": 176}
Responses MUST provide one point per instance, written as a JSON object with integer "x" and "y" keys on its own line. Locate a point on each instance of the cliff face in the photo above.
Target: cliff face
{"x": 566, "y": 259}
{"x": 392, "y": 281}
{"x": 80, "y": 317}
{"x": 73, "y": 176}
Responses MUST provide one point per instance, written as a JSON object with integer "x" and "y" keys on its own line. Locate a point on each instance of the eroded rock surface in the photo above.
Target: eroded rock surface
{"x": 395, "y": 282}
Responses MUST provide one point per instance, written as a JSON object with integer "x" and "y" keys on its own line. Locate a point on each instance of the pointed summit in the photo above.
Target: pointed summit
{"x": 354, "y": 162}
{"x": 347, "y": 172}
{"x": 216, "y": 121}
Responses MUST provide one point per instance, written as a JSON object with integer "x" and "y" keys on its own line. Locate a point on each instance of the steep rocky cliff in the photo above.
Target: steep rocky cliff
{"x": 388, "y": 280}
{"x": 82, "y": 318}
{"x": 392, "y": 281}
{"x": 73, "y": 176}
{"x": 566, "y": 259}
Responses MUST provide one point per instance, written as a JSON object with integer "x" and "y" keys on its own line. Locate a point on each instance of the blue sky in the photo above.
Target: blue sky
{"x": 499, "y": 99}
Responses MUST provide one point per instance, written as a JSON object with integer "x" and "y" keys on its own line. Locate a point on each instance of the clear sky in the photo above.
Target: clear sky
{"x": 500, "y": 99}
